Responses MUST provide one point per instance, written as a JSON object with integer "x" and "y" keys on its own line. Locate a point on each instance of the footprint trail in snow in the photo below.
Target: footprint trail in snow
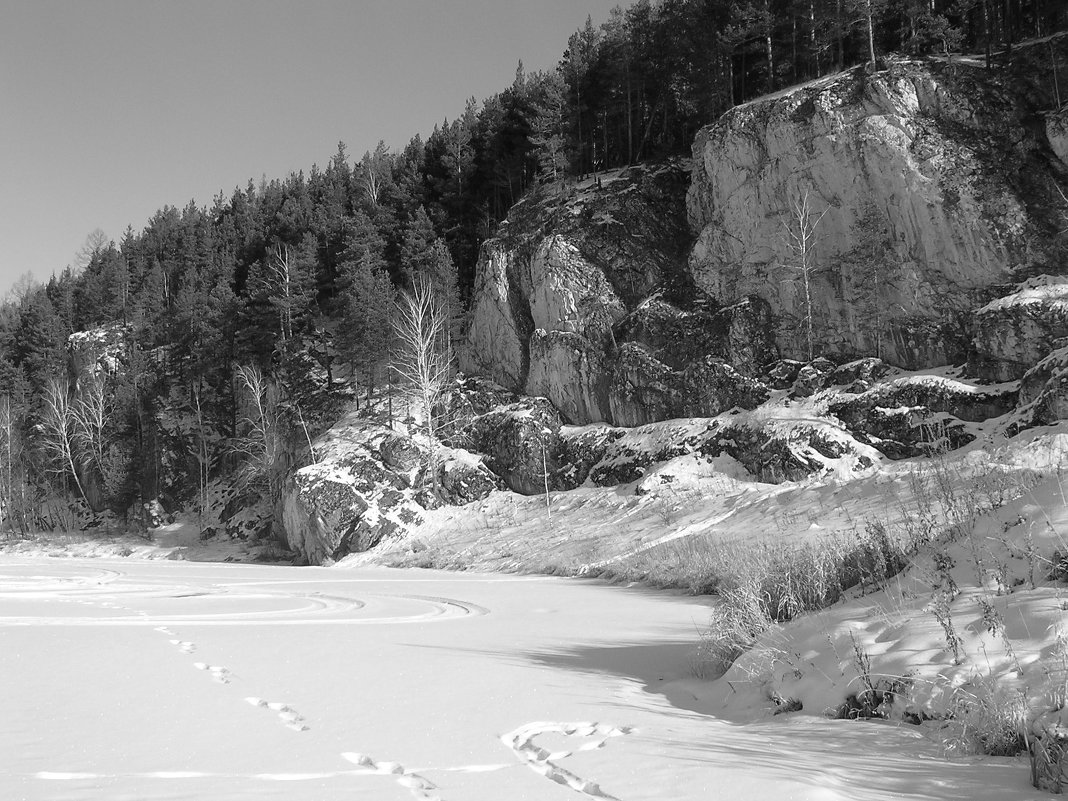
{"x": 421, "y": 788}
{"x": 289, "y": 717}
{"x": 538, "y": 759}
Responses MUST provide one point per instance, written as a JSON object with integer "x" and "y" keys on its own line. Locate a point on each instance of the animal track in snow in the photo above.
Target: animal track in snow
{"x": 184, "y": 646}
{"x": 220, "y": 674}
{"x": 289, "y": 717}
{"x": 421, "y": 788}
{"x": 521, "y": 742}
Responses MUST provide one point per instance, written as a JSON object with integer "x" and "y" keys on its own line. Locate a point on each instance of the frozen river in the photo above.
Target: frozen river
{"x": 127, "y": 679}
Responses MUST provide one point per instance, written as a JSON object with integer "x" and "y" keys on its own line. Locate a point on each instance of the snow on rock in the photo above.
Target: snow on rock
{"x": 917, "y": 169}
{"x": 921, "y": 414}
{"x": 772, "y": 446}
{"x": 1016, "y": 331}
{"x": 368, "y": 484}
{"x": 520, "y": 442}
{"x": 98, "y": 349}
{"x": 1044, "y": 390}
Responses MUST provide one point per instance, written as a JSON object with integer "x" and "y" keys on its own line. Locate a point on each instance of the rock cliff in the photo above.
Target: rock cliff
{"x": 584, "y": 298}
{"x": 930, "y": 188}
{"x": 659, "y": 312}
{"x": 367, "y": 484}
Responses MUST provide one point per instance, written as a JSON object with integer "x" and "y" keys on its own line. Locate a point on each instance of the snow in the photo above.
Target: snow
{"x": 1050, "y": 290}
{"x": 133, "y": 671}
{"x": 136, "y": 679}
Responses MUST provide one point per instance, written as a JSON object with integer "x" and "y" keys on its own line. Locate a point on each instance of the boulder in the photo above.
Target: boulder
{"x": 1044, "y": 389}
{"x": 370, "y": 484}
{"x": 1018, "y": 330}
{"x": 465, "y": 478}
{"x": 520, "y": 442}
{"x": 920, "y": 415}
{"x": 812, "y": 377}
{"x": 783, "y": 373}
{"x": 859, "y": 375}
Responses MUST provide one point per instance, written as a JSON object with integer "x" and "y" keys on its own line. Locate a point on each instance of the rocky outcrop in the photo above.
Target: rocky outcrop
{"x": 368, "y": 484}
{"x": 520, "y": 442}
{"x": 100, "y": 349}
{"x": 1044, "y": 390}
{"x": 1018, "y": 330}
{"x": 918, "y": 177}
{"x": 921, "y": 415}
{"x": 583, "y": 299}
{"x": 572, "y": 372}
{"x": 1057, "y": 133}
{"x": 771, "y": 450}
{"x": 500, "y": 323}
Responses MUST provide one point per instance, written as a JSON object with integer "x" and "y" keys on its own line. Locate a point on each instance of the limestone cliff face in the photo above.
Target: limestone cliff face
{"x": 927, "y": 175}
{"x": 584, "y": 299}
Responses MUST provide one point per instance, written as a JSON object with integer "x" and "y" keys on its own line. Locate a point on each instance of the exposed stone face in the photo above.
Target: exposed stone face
{"x": 1044, "y": 389}
{"x": 572, "y": 372}
{"x": 567, "y": 293}
{"x": 521, "y": 441}
{"x": 499, "y": 319}
{"x": 1015, "y": 332}
{"x": 561, "y": 289}
{"x": 1057, "y": 133}
{"x": 771, "y": 450}
{"x": 914, "y": 416}
{"x": 369, "y": 485}
{"x": 100, "y": 349}
{"x": 750, "y": 335}
{"x": 859, "y": 375}
{"x": 918, "y": 173}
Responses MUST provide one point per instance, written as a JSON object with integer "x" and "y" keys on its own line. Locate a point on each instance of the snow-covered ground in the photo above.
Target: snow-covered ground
{"x": 138, "y": 679}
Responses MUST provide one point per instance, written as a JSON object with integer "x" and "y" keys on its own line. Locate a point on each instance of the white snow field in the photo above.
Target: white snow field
{"x": 125, "y": 679}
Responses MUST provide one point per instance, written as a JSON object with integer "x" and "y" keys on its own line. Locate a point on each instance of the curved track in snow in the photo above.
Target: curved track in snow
{"x": 112, "y": 597}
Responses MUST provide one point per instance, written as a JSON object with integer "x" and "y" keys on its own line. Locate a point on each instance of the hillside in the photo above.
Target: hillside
{"x": 858, "y": 446}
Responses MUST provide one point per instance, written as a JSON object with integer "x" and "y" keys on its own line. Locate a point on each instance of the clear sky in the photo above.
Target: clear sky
{"x": 110, "y": 109}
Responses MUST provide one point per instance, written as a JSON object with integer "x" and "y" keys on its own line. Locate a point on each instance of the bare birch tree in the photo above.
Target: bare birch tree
{"x": 801, "y": 240}
{"x": 421, "y": 359}
{"x": 282, "y": 280}
{"x": 58, "y": 433}
{"x": 90, "y": 414}
{"x": 263, "y": 442}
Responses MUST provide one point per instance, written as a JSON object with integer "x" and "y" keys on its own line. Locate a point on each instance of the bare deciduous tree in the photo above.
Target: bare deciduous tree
{"x": 801, "y": 240}
{"x": 58, "y": 433}
{"x": 95, "y": 242}
{"x": 89, "y": 417}
{"x": 282, "y": 280}
{"x": 263, "y": 441}
{"x": 421, "y": 359}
